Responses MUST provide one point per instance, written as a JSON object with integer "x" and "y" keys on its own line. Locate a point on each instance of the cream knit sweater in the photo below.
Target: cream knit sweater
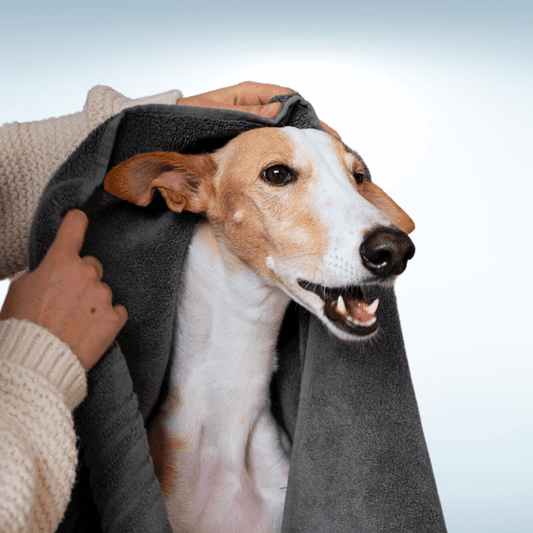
{"x": 41, "y": 380}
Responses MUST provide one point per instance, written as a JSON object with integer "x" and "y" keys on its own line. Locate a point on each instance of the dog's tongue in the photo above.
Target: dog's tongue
{"x": 353, "y": 311}
{"x": 359, "y": 311}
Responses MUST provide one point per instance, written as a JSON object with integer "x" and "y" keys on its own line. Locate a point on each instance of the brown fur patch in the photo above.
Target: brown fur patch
{"x": 374, "y": 194}
{"x": 164, "y": 448}
{"x": 275, "y": 220}
{"x": 183, "y": 180}
{"x": 377, "y": 197}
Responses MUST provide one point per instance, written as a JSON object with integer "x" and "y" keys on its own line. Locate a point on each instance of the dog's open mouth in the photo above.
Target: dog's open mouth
{"x": 346, "y": 307}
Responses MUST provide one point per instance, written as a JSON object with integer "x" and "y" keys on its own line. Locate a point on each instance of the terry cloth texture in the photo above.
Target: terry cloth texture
{"x": 359, "y": 460}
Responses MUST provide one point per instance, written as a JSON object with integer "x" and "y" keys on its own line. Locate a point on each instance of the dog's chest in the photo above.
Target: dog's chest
{"x": 216, "y": 447}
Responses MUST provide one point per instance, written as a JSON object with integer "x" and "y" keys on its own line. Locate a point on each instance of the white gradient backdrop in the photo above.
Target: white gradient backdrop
{"x": 438, "y": 100}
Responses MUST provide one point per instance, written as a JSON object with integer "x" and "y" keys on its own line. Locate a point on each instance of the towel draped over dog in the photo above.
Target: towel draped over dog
{"x": 359, "y": 461}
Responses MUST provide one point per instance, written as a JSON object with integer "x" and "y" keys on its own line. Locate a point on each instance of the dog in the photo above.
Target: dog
{"x": 289, "y": 214}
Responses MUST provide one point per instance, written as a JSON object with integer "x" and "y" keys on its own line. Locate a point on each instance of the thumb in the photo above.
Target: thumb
{"x": 71, "y": 232}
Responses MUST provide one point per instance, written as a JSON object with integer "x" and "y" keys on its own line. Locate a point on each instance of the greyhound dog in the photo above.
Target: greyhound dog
{"x": 290, "y": 214}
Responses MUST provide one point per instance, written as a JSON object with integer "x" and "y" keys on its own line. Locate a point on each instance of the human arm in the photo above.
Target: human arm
{"x": 41, "y": 381}
{"x": 56, "y": 322}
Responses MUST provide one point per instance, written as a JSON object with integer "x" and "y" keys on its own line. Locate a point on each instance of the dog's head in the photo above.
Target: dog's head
{"x": 293, "y": 205}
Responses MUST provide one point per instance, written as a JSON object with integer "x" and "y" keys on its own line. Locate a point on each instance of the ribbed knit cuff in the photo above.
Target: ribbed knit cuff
{"x": 32, "y": 346}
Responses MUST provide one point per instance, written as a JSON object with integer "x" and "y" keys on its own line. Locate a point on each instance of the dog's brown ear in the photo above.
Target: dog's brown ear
{"x": 378, "y": 198}
{"x": 183, "y": 180}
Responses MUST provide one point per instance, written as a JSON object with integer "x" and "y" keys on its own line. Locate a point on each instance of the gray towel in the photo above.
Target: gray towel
{"x": 359, "y": 460}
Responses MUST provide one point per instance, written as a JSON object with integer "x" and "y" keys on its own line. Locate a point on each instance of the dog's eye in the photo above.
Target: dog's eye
{"x": 359, "y": 177}
{"x": 277, "y": 175}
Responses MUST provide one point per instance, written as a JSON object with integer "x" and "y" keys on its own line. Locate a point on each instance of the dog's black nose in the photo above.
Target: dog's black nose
{"x": 385, "y": 251}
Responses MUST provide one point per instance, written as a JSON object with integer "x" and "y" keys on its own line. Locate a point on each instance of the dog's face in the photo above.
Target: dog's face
{"x": 295, "y": 207}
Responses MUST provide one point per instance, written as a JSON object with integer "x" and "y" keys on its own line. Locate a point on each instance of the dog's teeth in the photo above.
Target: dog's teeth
{"x": 341, "y": 308}
{"x": 371, "y": 309}
{"x": 364, "y": 324}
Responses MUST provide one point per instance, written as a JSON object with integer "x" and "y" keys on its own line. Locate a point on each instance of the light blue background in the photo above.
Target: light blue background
{"x": 438, "y": 99}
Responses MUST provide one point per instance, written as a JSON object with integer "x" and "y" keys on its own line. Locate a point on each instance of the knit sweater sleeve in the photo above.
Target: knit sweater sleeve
{"x": 31, "y": 152}
{"x": 41, "y": 381}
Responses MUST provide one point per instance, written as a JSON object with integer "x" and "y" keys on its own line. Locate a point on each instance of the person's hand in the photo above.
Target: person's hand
{"x": 65, "y": 295}
{"x": 248, "y": 96}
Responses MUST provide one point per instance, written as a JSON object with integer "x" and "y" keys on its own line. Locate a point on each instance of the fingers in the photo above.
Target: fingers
{"x": 251, "y": 93}
{"x": 122, "y": 314}
{"x": 70, "y": 237}
{"x": 103, "y": 295}
{"x": 249, "y": 97}
{"x": 267, "y": 111}
{"x": 96, "y": 264}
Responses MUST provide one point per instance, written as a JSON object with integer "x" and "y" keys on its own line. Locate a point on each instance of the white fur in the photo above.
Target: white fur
{"x": 226, "y": 341}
